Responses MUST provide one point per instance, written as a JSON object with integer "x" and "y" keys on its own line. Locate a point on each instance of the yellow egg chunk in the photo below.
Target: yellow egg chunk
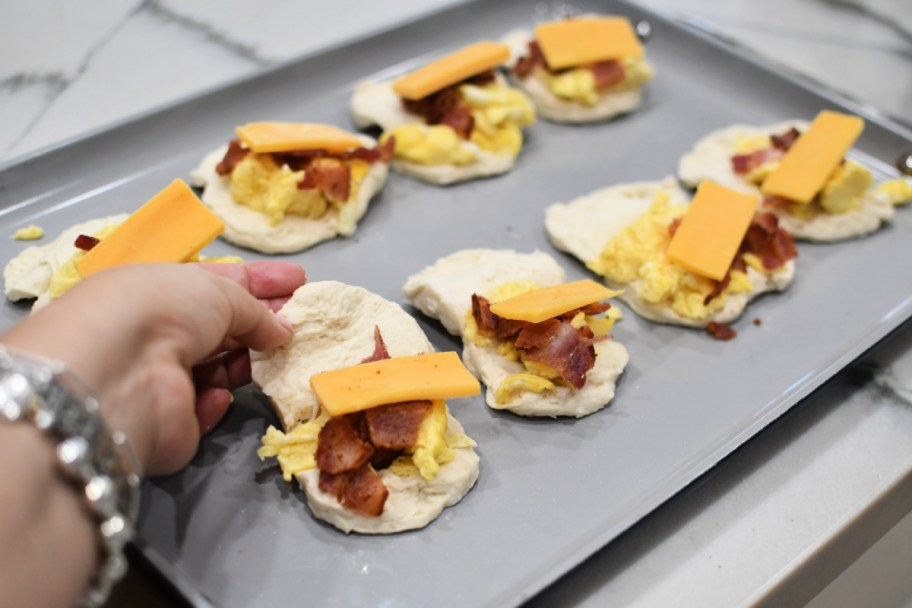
{"x": 578, "y": 84}
{"x": 516, "y": 384}
{"x": 638, "y": 253}
{"x": 29, "y": 233}
{"x": 898, "y": 191}
{"x": 845, "y": 189}
{"x": 431, "y": 449}
{"x": 259, "y": 183}
{"x": 295, "y": 450}
{"x": 430, "y": 145}
{"x": 500, "y": 112}
{"x": 745, "y": 144}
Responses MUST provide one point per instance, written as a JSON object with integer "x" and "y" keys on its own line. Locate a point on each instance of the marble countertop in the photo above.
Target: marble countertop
{"x": 745, "y": 529}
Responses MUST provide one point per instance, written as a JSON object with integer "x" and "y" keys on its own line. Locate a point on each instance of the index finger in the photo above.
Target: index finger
{"x": 264, "y": 280}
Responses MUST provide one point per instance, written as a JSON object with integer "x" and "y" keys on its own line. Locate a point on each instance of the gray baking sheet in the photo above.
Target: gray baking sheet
{"x": 551, "y": 492}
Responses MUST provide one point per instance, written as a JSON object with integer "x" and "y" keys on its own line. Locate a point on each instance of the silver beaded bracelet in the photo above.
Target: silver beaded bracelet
{"x": 101, "y": 462}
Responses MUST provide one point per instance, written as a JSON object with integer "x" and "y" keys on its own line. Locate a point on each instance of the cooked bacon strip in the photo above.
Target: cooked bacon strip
{"x": 383, "y": 458}
{"x": 527, "y": 63}
{"x": 85, "y": 242}
{"x": 537, "y": 335}
{"x": 607, "y": 73}
{"x": 768, "y": 241}
{"x": 443, "y": 107}
{"x": 596, "y": 308}
{"x": 460, "y": 119}
{"x": 737, "y": 264}
{"x": 233, "y": 156}
{"x": 365, "y": 492}
{"x": 395, "y": 426}
{"x": 360, "y": 490}
{"x": 504, "y": 329}
{"x": 721, "y": 331}
{"x": 335, "y": 182}
{"x": 380, "y": 351}
{"x": 482, "y": 79}
{"x": 785, "y": 140}
{"x": 775, "y": 202}
{"x": 382, "y": 153}
{"x": 674, "y": 225}
{"x": 743, "y": 164}
{"x": 568, "y": 352}
{"x": 343, "y": 444}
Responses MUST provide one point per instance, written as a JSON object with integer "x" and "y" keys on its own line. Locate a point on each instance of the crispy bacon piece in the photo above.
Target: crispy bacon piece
{"x": 721, "y": 331}
{"x": 360, "y": 490}
{"x": 737, "y": 264}
{"x": 504, "y": 329}
{"x": 443, "y": 107}
{"x": 395, "y": 426}
{"x": 596, "y": 308}
{"x": 743, "y": 164}
{"x": 383, "y": 458}
{"x": 772, "y": 244}
{"x": 343, "y": 444}
{"x": 335, "y": 182}
{"x": 568, "y": 352}
{"x": 233, "y": 156}
{"x": 537, "y": 335}
{"x": 380, "y": 351}
{"x": 775, "y": 202}
{"x": 482, "y": 79}
{"x": 382, "y": 152}
{"x": 527, "y": 63}
{"x": 85, "y": 242}
{"x": 674, "y": 225}
{"x": 460, "y": 119}
{"x": 607, "y": 73}
{"x": 785, "y": 140}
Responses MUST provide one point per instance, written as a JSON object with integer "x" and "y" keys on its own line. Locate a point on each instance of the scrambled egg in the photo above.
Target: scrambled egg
{"x": 67, "y": 275}
{"x": 30, "y": 233}
{"x": 499, "y": 111}
{"x": 296, "y": 450}
{"x": 843, "y": 192}
{"x": 579, "y": 84}
{"x": 637, "y": 254}
{"x": 537, "y": 377}
{"x": 899, "y": 191}
{"x": 260, "y": 183}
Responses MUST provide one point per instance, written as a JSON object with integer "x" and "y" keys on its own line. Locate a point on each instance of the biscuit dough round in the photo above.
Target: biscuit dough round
{"x": 333, "y": 327}
{"x": 550, "y": 106}
{"x": 444, "y": 291}
{"x": 412, "y": 502}
{"x": 710, "y": 159}
{"x": 249, "y": 228}
{"x": 28, "y": 275}
{"x": 583, "y": 226}
{"x": 376, "y": 104}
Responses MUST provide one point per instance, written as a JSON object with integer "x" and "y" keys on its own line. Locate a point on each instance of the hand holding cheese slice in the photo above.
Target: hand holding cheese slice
{"x": 453, "y": 119}
{"x": 689, "y": 265}
{"x": 540, "y": 345}
{"x": 801, "y": 172}
{"x": 367, "y": 433}
{"x": 580, "y": 70}
{"x": 282, "y": 187}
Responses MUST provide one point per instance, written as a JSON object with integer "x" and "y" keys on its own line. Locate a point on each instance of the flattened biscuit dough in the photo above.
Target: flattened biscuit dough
{"x": 28, "y": 275}
{"x": 583, "y": 226}
{"x": 444, "y": 291}
{"x": 375, "y": 103}
{"x": 334, "y": 327}
{"x": 552, "y": 107}
{"x": 711, "y": 159}
{"x": 249, "y": 228}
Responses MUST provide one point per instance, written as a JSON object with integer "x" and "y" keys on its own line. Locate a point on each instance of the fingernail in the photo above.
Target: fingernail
{"x": 284, "y": 323}
{"x": 230, "y": 397}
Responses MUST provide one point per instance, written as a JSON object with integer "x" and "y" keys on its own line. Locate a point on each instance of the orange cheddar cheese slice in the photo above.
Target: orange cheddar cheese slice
{"x": 172, "y": 226}
{"x": 456, "y": 67}
{"x": 548, "y": 302}
{"x": 806, "y": 167}
{"x": 420, "y": 377}
{"x": 265, "y": 137}
{"x": 578, "y": 42}
{"x": 711, "y": 233}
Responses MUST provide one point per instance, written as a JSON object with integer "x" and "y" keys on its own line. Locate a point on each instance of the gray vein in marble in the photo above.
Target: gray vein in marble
{"x": 158, "y": 9}
{"x": 58, "y": 82}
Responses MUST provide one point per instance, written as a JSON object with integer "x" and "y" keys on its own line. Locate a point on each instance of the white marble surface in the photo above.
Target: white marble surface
{"x": 67, "y": 68}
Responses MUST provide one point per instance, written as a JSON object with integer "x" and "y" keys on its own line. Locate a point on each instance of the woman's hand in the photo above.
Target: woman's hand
{"x": 141, "y": 335}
